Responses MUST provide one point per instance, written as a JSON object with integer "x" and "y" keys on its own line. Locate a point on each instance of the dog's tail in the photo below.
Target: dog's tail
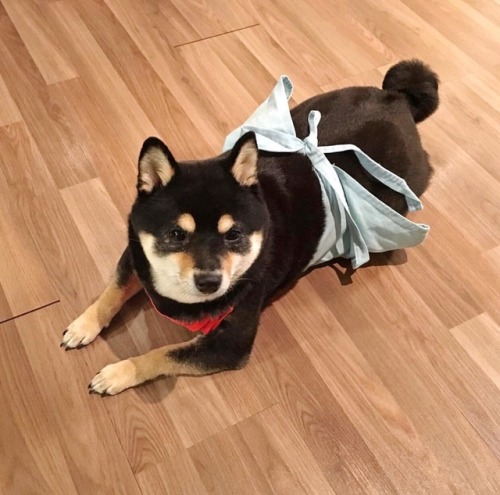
{"x": 418, "y": 83}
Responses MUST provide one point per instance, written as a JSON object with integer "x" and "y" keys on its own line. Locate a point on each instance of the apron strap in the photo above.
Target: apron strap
{"x": 385, "y": 176}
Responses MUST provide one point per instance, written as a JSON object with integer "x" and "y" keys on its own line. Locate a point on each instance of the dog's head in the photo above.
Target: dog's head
{"x": 201, "y": 224}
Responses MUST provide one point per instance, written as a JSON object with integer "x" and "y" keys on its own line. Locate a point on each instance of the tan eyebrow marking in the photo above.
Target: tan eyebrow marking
{"x": 225, "y": 223}
{"x": 186, "y": 222}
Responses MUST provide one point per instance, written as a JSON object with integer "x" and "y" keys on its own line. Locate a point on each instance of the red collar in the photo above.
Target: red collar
{"x": 204, "y": 326}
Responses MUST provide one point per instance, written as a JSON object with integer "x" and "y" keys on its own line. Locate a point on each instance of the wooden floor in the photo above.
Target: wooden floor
{"x": 384, "y": 382}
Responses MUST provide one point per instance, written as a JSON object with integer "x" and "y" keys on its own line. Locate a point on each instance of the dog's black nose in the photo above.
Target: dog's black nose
{"x": 208, "y": 283}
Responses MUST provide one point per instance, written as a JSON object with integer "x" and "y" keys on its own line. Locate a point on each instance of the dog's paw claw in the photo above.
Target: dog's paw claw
{"x": 114, "y": 378}
{"x": 81, "y": 332}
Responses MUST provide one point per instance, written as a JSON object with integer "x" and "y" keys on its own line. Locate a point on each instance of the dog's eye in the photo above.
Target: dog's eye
{"x": 233, "y": 235}
{"x": 177, "y": 235}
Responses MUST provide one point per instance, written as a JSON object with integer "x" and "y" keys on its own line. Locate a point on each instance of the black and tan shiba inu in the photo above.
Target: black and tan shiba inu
{"x": 211, "y": 242}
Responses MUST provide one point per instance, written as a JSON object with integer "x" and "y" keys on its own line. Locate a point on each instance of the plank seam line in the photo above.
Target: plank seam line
{"x": 30, "y": 311}
{"x": 216, "y": 35}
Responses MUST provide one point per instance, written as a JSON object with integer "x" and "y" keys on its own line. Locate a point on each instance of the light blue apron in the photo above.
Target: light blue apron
{"x": 356, "y": 222}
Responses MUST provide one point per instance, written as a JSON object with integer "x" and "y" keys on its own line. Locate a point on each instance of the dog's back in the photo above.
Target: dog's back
{"x": 382, "y": 123}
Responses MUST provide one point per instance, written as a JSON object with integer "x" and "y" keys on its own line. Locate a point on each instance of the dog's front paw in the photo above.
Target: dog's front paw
{"x": 82, "y": 331}
{"x": 114, "y": 378}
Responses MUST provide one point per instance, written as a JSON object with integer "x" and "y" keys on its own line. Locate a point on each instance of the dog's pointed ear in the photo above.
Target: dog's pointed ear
{"x": 156, "y": 165}
{"x": 244, "y": 158}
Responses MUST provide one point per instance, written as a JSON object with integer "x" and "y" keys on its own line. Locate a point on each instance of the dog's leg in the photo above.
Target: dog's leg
{"x": 97, "y": 316}
{"x": 227, "y": 348}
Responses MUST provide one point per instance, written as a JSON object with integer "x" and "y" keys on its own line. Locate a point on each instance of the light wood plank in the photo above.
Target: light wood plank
{"x": 32, "y": 459}
{"x": 201, "y": 408}
{"x": 407, "y": 35}
{"x": 275, "y": 59}
{"x": 218, "y": 477}
{"x": 177, "y": 475}
{"x": 286, "y": 27}
{"x": 488, "y": 8}
{"x": 235, "y": 62}
{"x": 180, "y": 30}
{"x": 474, "y": 123}
{"x": 282, "y": 455}
{"x": 451, "y": 185}
{"x": 162, "y": 107}
{"x": 49, "y": 262}
{"x": 374, "y": 412}
{"x": 210, "y": 18}
{"x": 327, "y": 28}
{"x": 128, "y": 119}
{"x": 41, "y": 112}
{"x": 99, "y": 222}
{"x": 342, "y": 453}
{"x": 462, "y": 23}
{"x": 424, "y": 348}
{"x": 35, "y": 29}
{"x": 4, "y": 306}
{"x": 25, "y": 282}
{"x": 48, "y": 402}
{"x": 181, "y": 80}
{"x": 480, "y": 337}
{"x": 99, "y": 141}
{"x": 231, "y": 98}
{"x": 484, "y": 85}
{"x": 9, "y": 113}
{"x": 473, "y": 288}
